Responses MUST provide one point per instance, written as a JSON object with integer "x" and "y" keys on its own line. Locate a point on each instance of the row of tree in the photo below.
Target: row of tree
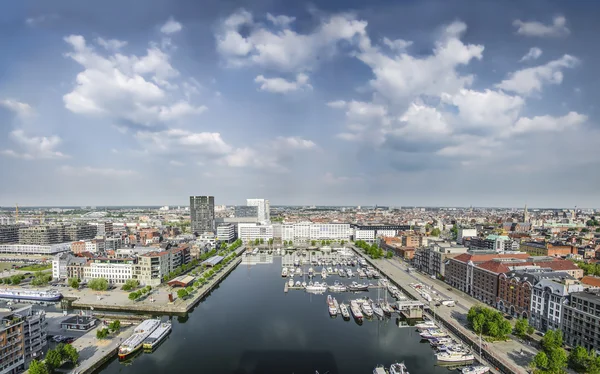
{"x": 130, "y": 284}
{"x": 55, "y": 358}
{"x": 139, "y": 293}
{"x": 204, "y": 278}
{"x": 41, "y": 279}
{"x": 488, "y": 322}
{"x": 553, "y": 359}
{"x": 372, "y": 250}
{"x": 98, "y": 284}
{"x": 113, "y": 327}
{"x": 15, "y": 279}
{"x": 589, "y": 269}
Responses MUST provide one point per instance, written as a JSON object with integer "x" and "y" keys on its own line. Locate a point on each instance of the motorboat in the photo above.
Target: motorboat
{"x": 291, "y": 282}
{"x": 387, "y": 308}
{"x": 426, "y": 325}
{"x": 375, "y": 274}
{"x": 435, "y": 342}
{"x": 299, "y": 271}
{"x": 379, "y": 369}
{"x": 310, "y": 272}
{"x": 337, "y": 287}
{"x": 366, "y": 308}
{"x": 135, "y": 341}
{"x": 429, "y": 334}
{"x": 329, "y": 270}
{"x": 476, "y": 369}
{"x": 355, "y": 309}
{"x": 323, "y": 273}
{"x": 331, "y": 306}
{"x": 349, "y": 273}
{"x": 30, "y": 295}
{"x": 454, "y": 357}
{"x": 341, "y": 272}
{"x": 298, "y": 284}
{"x": 284, "y": 272}
{"x": 355, "y": 286}
{"x": 344, "y": 310}
{"x": 361, "y": 273}
{"x": 157, "y": 336}
{"x": 316, "y": 287}
{"x": 304, "y": 284}
{"x": 398, "y": 368}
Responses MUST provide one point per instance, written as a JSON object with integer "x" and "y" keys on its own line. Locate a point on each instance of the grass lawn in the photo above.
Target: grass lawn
{"x": 36, "y": 267}
{"x": 6, "y": 265}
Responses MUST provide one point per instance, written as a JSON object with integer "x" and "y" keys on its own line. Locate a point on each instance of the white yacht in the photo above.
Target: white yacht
{"x": 299, "y": 271}
{"x": 298, "y": 284}
{"x": 376, "y": 309}
{"x": 135, "y": 341}
{"x": 477, "y": 369}
{"x": 379, "y": 370}
{"x": 329, "y": 270}
{"x": 154, "y": 339}
{"x": 323, "y": 273}
{"x": 429, "y": 334}
{"x": 316, "y": 287}
{"x": 291, "y": 282}
{"x": 366, "y": 308}
{"x": 454, "y": 357}
{"x": 426, "y": 325}
{"x": 398, "y": 368}
{"x": 337, "y": 287}
{"x": 303, "y": 284}
{"x": 355, "y": 309}
{"x": 349, "y": 272}
{"x": 331, "y": 306}
{"x": 344, "y": 310}
{"x": 284, "y": 272}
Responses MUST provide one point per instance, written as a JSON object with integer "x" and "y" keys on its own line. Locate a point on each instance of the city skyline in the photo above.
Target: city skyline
{"x": 392, "y": 103}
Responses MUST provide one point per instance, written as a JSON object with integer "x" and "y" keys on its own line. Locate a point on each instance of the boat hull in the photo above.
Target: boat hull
{"x": 31, "y": 297}
{"x": 124, "y": 355}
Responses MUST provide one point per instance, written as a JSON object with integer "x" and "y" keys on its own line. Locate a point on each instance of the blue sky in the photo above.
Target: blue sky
{"x": 382, "y": 102}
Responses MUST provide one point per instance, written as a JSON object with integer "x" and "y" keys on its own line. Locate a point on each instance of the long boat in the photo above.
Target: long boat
{"x": 32, "y": 295}
{"x": 135, "y": 341}
{"x": 157, "y": 336}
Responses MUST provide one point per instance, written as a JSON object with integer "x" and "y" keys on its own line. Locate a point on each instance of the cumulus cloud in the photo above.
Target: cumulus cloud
{"x": 173, "y": 141}
{"x": 34, "y": 147}
{"x": 533, "y": 54}
{"x": 111, "y": 44}
{"x": 21, "y": 109}
{"x": 531, "y": 80}
{"x": 533, "y": 28}
{"x": 282, "y": 86}
{"x": 547, "y": 123}
{"x": 280, "y": 20}
{"x": 38, "y": 20}
{"x": 171, "y": 26}
{"x": 131, "y": 89}
{"x": 283, "y": 50}
{"x": 293, "y": 143}
{"x": 398, "y": 45}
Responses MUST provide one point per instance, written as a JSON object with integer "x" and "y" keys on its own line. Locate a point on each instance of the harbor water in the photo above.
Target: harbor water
{"x": 248, "y": 325}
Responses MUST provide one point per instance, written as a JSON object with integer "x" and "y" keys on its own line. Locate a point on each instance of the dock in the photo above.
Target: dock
{"x": 93, "y": 352}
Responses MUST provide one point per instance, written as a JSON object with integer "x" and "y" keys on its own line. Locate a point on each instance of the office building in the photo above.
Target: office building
{"x": 264, "y": 209}
{"x": 549, "y": 296}
{"x": 304, "y": 232}
{"x": 226, "y": 232}
{"x": 30, "y": 249}
{"x": 9, "y": 234}
{"x": 580, "y": 321}
{"x": 432, "y": 259}
{"x": 547, "y": 249}
{"x": 465, "y": 233}
{"x": 249, "y": 232}
{"x": 243, "y": 211}
{"x": 202, "y": 213}
{"x": 115, "y": 270}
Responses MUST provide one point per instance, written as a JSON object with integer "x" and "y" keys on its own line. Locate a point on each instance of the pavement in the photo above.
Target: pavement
{"x": 513, "y": 353}
{"x": 92, "y": 350}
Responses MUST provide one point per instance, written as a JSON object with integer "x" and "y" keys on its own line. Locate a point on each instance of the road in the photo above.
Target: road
{"x": 513, "y": 353}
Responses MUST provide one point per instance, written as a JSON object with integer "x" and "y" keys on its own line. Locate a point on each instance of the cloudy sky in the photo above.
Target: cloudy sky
{"x": 451, "y": 103}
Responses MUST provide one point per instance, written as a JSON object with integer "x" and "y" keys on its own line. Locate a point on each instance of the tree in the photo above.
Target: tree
{"x": 98, "y": 284}
{"x": 182, "y": 293}
{"x": 342, "y": 242}
{"x": 115, "y": 325}
{"x": 540, "y": 361}
{"x": 189, "y": 289}
{"x": 37, "y": 367}
{"x": 271, "y": 241}
{"x": 389, "y": 254}
{"x": 522, "y": 327}
{"x": 552, "y": 339}
{"x": 557, "y": 360}
{"x": 74, "y": 283}
{"x": 53, "y": 359}
{"x": 130, "y": 284}
{"x": 578, "y": 359}
{"x": 478, "y": 323}
{"x": 101, "y": 333}
{"x": 313, "y": 243}
{"x": 435, "y": 232}
{"x": 134, "y": 295}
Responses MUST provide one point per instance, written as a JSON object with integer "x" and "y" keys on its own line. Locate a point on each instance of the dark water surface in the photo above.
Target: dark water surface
{"x": 248, "y": 325}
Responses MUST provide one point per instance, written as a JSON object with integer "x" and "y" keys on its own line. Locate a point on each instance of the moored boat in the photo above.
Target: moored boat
{"x": 454, "y": 357}
{"x": 284, "y": 272}
{"x": 31, "y": 295}
{"x": 429, "y": 334}
{"x": 366, "y": 308}
{"x": 426, "y": 325}
{"x": 355, "y": 286}
{"x": 476, "y": 369}
{"x": 344, "y": 310}
{"x": 376, "y": 309}
{"x": 398, "y": 368}
{"x": 135, "y": 341}
{"x": 355, "y": 309}
{"x": 157, "y": 336}
{"x": 291, "y": 282}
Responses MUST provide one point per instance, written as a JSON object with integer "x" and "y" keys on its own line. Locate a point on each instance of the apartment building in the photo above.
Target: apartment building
{"x": 22, "y": 338}
{"x": 115, "y": 270}
{"x": 263, "y": 209}
{"x": 248, "y": 232}
{"x": 370, "y": 232}
{"x": 581, "y": 320}
{"x": 94, "y": 246}
{"x": 112, "y": 244}
{"x": 9, "y": 234}
{"x": 465, "y": 233}
{"x": 432, "y": 259}
{"x": 32, "y": 249}
{"x": 549, "y": 297}
{"x": 41, "y": 235}
{"x": 226, "y": 232}
{"x": 547, "y": 249}
{"x": 497, "y": 243}
{"x": 153, "y": 266}
{"x": 79, "y": 231}
{"x": 202, "y": 213}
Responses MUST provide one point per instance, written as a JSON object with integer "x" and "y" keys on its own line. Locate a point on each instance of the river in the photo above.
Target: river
{"x": 248, "y": 325}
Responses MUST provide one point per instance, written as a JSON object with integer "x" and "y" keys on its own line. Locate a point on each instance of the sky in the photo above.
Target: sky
{"x": 428, "y": 103}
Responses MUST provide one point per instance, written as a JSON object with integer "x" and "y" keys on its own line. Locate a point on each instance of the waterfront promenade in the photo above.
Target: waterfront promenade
{"x": 94, "y": 352}
{"x": 508, "y": 353}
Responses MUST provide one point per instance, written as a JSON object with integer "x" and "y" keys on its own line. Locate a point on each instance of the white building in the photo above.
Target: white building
{"x": 306, "y": 231}
{"x": 386, "y": 233}
{"x": 251, "y": 231}
{"x": 264, "y": 209}
{"x": 366, "y": 235}
{"x": 226, "y": 232}
{"x": 94, "y": 246}
{"x": 32, "y": 249}
{"x": 465, "y": 233}
{"x": 114, "y": 272}
{"x": 548, "y": 298}
{"x": 6, "y": 220}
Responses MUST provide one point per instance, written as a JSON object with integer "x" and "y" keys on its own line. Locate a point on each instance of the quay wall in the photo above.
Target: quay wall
{"x": 468, "y": 340}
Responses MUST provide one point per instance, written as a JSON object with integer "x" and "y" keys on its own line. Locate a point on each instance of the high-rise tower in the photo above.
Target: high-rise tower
{"x": 202, "y": 213}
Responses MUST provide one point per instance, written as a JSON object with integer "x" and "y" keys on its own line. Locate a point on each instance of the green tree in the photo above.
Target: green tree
{"x": 389, "y": 254}
{"x": 37, "y": 367}
{"x": 552, "y": 339}
{"x": 435, "y": 232}
{"x": 578, "y": 359}
{"x": 98, "y": 284}
{"x": 557, "y": 360}
{"x": 74, "y": 283}
{"x": 101, "y": 333}
{"x": 134, "y": 295}
{"x": 182, "y": 293}
{"x": 189, "y": 289}
{"x": 342, "y": 242}
{"x": 522, "y": 327}
{"x": 540, "y": 361}
{"x": 53, "y": 360}
{"x": 313, "y": 243}
{"x": 130, "y": 284}
{"x": 115, "y": 325}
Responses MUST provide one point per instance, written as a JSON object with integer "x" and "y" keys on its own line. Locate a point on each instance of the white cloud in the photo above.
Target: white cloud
{"x": 175, "y": 141}
{"x": 171, "y": 26}
{"x": 35, "y": 147}
{"x": 282, "y": 86}
{"x": 293, "y": 143}
{"x": 35, "y": 21}
{"x": 484, "y": 109}
{"x": 22, "y": 110}
{"x": 126, "y": 88}
{"x": 111, "y": 44}
{"x": 401, "y": 77}
{"x": 533, "y": 54}
{"x": 338, "y": 104}
{"x": 94, "y": 171}
{"x": 547, "y": 123}
{"x": 281, "y": 20}
{"x": 250, "y": 158}
{"x": 398, "y": 45}
{"x": 531, "y": 80}
{"x": 283, "y": 50}
{"x": 533, "y": 28}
